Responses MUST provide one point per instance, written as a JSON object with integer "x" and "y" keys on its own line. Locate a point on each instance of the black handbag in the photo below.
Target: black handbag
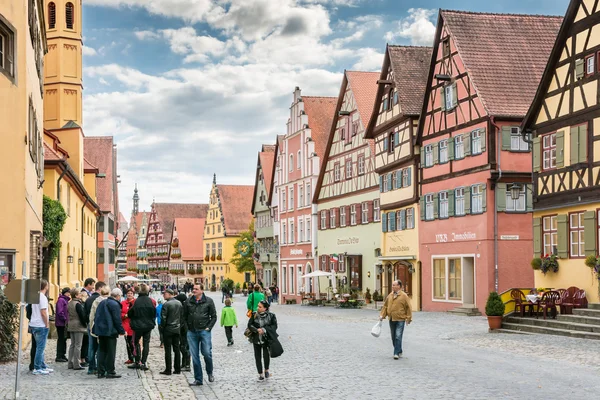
{"x": 275, "y": 348}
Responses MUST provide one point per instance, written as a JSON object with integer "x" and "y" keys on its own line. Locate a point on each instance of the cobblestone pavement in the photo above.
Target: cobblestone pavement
{"x": 329, "y": 353}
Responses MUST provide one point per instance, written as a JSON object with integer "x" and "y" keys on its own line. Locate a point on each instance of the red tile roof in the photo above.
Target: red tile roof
{"x": 411, "y": 68}
{"x": 364, "y": 89}
{"x": 190, "y": 234}
{"x": 236, "y": 204}
{"x": 320, "y": 112}
{"x": 267, "y": 163}
{"x": 167, "y": 212}
{"x": 50, "y": 154}
{"x": 98, "y": 150}
{"x": 505, "y": 55}
{"x": 135, "y": 227}
{"x": 89, "y": 167}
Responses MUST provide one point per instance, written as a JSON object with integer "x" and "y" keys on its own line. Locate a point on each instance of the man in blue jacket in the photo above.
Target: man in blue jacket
{"x": 108, "y": 327}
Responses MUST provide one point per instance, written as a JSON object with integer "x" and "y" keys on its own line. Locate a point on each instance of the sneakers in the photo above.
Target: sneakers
{"x": 112, "y": 376}
{"x": 61, "y": 359}
{"x": 196, "y": 383}
{"x": 211, "y": 378}
{"x": 134, "y": 366}
{"x": 396, "y": 356}
{"x": 261, "y": 377}
{"x": 48, "y": 369}
{"x": 186, "y": 368}
{"x": 267, "y": 374}
{"x": 143, "y": 367}
{"x": 40, "y": 372}
{"x": 129, "y": 362}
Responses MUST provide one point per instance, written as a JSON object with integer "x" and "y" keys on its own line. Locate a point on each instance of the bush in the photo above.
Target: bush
{"x": 536, "y": 263}
{"x": 9, "y": 323}
{"x": 494, "y": 306}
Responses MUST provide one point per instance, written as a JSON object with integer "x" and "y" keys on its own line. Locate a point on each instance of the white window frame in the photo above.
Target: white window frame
{"x": 477, "y": 199}
{"x": 429, "y": 207}
{"x": 476, "y": 142}
{"x": 443, "y": 207}
{"x": 549, "y": 151}
{"x": 590, "y": 65}
{"x": 336, "y": 172}
{"x": 332, "y": 218}
{"x": 405, "y": 172}
{"x": 298, "y": 160}
{"x": 517, "y": 143}
{"x": 300, "y": 195}
{"x": 576, "y": 234}
{"x": 300, "y": 229}
{"x": 365, "y": 213}
{"x": 459, "y": 201}
{"x": 343, "y": 216}
{"x": 459, "y": 147}
{"x": 361, "y": 165}
{"x": 284, "y": 233}
{"x": 291, "y": 202}
{"x": 519, "y": 205}
{"x": 353, "y": 214}
{"x": 291, "y": 169}
{"x": 428, "y": 155}
{"x": 323, "y": 219}
{"x": 348, "y": 168}
{"x": 443, "y": 151}
{"x": 385, "y": 183}
{"x": 376, "y": 210}
{"x": 410, "y": 218}
{"x": 292, "y": 232}
{"x": 308, "y": 195}
{"x": 449, "y": 96}
{"x": 307, "y": 231}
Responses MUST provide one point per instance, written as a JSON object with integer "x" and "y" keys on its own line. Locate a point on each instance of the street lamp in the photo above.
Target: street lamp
{"x": 70, "y": 259}
{"x": 80, "y": 261}
{"x": 515, "y": 191}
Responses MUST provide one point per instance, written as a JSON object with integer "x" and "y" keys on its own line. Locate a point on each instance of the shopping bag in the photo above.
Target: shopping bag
{"x": 376, "y": 331}
{"x": 275, "y": 348}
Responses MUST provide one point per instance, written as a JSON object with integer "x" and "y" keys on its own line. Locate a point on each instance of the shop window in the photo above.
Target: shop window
{"x": 439, "y": 279}
{"x": 454, "y": 279}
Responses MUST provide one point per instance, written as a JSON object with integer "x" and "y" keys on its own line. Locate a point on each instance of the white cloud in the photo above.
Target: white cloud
{"x": 417, "y": 27}
{"x": 145, "y": 35}
{"x": 88, "y": 51}
{"x": 196, "y": 48}
{"x": 370, "y": 60}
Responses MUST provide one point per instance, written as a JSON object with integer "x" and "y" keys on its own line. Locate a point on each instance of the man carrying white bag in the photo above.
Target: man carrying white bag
{"x": 397, "y": 308}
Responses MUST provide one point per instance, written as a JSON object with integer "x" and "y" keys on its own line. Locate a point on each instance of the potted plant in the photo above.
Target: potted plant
{"x": 212, "y": 258}
{"x": 219, "y": 257}
{"x": 536, "y": 263}
{"x": 206, "y": 257}
{"x": 549, "y": 263}
{"x": 238, "y": 288}
{"x": 494, "y": 309}
{"x": 213, "y": 288}
{"x": 593, "y": 263}
{"x": 368, "y": 296}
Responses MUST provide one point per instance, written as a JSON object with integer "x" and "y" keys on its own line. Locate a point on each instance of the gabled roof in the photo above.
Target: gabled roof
{"x": 98, "y": 150}
{"x": 504, "y": 54}
{"x": 553, "y": 59}
{"x": 271, "y": 189}
{"x": 70, "y": 125}
{"x": 364, "y": 89}
{"x": 320, "y": 116}
{"x": 167, "y": 212}
{"x": 265, "y": 161}
{"x": 236, "y": 203}
{"x": 190, "y": 234}
{"x": 89, "y": 167}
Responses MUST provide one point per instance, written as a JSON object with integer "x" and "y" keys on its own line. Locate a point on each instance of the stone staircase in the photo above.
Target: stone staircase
{"x": 466, "y": 311}
{"x": 584, "y": 323}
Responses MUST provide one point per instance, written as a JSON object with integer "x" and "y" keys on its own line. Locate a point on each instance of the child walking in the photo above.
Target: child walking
{"x": 228, "y": 319}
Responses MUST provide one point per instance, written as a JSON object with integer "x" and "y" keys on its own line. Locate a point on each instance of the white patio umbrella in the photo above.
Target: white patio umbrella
{"x": 317, "y": 274}
{"x": 129, "y": 279}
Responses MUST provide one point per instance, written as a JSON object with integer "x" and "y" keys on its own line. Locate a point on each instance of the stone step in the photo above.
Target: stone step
{"x": 594, "y": 306}
{"x": 552, "y": 323}
{"x": 579, "y": 319}
{"x": 466, "y": 311}
{"x": 589, "y": 312}
{"x": 550, "y": 331}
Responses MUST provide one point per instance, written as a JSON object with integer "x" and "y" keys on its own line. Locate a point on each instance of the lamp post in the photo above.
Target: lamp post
{"x": 515, "y": 191}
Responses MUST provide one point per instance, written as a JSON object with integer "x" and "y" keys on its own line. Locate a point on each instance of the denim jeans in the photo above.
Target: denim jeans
{"x": 200, "y": 342}
{"x": 92, "y": 352}
{"x": 397, "y": 330}
{"x": 41, "y": 336}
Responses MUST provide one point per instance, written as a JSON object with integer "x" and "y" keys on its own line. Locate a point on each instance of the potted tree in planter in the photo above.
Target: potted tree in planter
{"x": 494, "y": 309}
{"x": 368, "y": 296}
{"x": 238, "y": 288}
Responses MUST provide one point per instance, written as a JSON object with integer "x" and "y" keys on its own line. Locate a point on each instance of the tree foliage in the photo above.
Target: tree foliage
{"x": 9, "y": 323}
{"x": 244, "y": 262}
{"x": 54, "y": 221}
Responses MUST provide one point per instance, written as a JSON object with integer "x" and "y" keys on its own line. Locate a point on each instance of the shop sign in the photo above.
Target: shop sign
{"x": 453, "y": 237}
{"x": 296, "y": 252}
{"x": 509, "y": 237}
{"x": 350, "y": 240}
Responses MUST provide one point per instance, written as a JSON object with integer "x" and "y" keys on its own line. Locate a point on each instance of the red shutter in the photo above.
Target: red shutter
{"x": 327, "y": 269}
{"x": 369, "y": 212}
{"x": 335, "y": 266}
{"x": 359, "y": 213}
{"x": 327, "y": 224}
{"x": 337, "y": 216}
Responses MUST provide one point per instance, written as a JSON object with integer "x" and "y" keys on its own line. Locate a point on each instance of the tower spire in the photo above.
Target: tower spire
{"x": 136, "y": 201}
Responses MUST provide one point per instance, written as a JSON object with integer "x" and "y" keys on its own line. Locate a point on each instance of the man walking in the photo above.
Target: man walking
{"x": 200, "y": 316}
{"x": 39, "y": 325}
{"x": 60, "y": 321}
{"x": 142, "y": 316}
{"x": 108, "y": 327}
{"x": 171, "y": 323}
{"x": 397, "y": 308}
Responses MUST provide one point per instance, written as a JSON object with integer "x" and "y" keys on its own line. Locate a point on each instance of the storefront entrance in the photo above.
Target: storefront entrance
{"x": 400, "y": 270}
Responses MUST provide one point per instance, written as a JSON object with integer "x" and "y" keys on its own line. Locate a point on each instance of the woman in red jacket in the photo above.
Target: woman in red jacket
{"x": 127, "y": 304}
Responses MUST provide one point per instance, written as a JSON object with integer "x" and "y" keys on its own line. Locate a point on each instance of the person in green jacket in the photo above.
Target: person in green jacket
{"x": 228, "y": 319}
{"x": 254, "y": 298}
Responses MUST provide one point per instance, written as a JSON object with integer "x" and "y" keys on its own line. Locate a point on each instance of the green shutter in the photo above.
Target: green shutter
{"x": 442, "y": 99}
{"x": 467, "y": 200}
{"x": 436, "y": 205}
{"x": 579, "y": 68}
{"x": 392, "y": 221}
{"x": 422, "y": 151}
{"x": 409, "y": 177}
{"x": 422, "y": 208}
{"x": 396, "y": 139}
{"x": 537, "y": 154}
{"x": 537, "y": 236}
{"x": 402, "y": 220}
{"x": 574, "y": 145}
{"x": 563, "y": 235}
{"x": 383, "y": 222}
{"x": 483, "y": 197}
{"x": 590, "y": 227}
{"x": 451, "y": 149}
{"x": 380, "y": 184}
{"x": 451, "y": 203}
{"x": 560, "y": 149}
{"x": 454, "y": 95}
{"x": 436, "y": 153}
{"x": 385, "y": 143}
{"x": 506, "y": 137}
{"x": 529, "y": 198}
{"x": 583, "y": 143}
{"x": 390, "y": 181}
{"x": 399, "y": 179}
{"x": 501, "y": 197}
{"x": 467, "y": 143}
{"x": 483, "y": 139}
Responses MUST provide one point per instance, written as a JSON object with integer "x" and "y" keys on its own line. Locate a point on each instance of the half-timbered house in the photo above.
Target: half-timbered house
{"x": 474, "y": 236}
{"x": 347, "y": 193}
{"x": 302, "y": 148}
{"x": 564, "y": 120}
{"x": 393, "y": 125}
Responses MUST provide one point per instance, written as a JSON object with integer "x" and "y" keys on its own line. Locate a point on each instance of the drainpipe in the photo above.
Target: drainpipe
{"x": 498, "y": 154}
{"x": 58, "y": 197}
{"x": 87, "y": 199}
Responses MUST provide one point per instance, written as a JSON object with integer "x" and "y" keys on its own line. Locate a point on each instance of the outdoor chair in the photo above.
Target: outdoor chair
{"x": 566, "y": 302}
{"x": 548, "y": 303}
{"x": 521, "y": 302}
{"x": 579, "y": 300}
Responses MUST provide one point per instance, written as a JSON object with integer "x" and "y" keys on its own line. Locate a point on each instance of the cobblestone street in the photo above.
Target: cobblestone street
{"x": 329, "y": 353}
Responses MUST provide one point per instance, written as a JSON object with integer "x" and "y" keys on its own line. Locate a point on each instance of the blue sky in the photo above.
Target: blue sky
{"x": 193, "y": 87}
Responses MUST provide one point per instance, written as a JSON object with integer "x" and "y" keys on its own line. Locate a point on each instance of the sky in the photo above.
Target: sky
{"x": 189, "y": 88}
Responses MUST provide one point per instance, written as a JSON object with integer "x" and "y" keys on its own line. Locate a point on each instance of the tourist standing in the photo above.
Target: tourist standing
{"x": 228, "y": 320}
{"x": 158, "y": 321}
{"x": 76, "y": 328}
{"x": 104, "y": 293}
{"x": 171, "y": 324}
{"x": 125, "y": 307}
{"x": 183, "y": 343}
{"x": 142, "y": 319}
{"x": 253, "y": 299}
{"x": 397, "y": 308}
{"x": 200, "y": 315}
{"x": 92, "y": 341}
{"x": 88, "y": 289}
{"x": 107, "y": 327}
{"x": 61, "y": 317}
{"x": 40, "y": 326}
{"x": 263, "y": 325}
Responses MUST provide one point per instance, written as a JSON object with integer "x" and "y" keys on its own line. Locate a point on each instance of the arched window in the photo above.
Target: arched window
{"x": 51, "y": 15}
{"x": 70, "y": 15}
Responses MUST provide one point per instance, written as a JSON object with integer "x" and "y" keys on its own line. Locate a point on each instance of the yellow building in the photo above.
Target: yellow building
{"x": 228, "y": 215}
{"x": 70, "y": 178}
{"x": 23, "y": 45}
{"x": 564, "y": 120}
